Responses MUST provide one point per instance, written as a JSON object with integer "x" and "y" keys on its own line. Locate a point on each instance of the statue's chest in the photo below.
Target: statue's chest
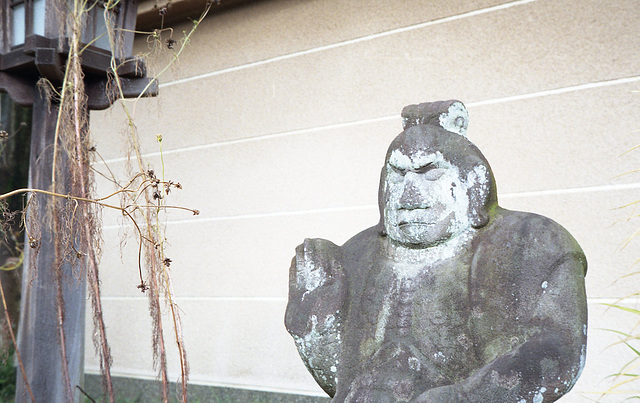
{"x": 426, "y": 307}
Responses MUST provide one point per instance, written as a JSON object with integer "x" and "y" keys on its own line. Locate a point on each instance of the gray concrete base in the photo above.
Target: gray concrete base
{"x": 133, "y": 390}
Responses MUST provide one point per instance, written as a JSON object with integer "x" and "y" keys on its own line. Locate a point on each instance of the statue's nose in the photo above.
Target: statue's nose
{"x": 412, "y": 196}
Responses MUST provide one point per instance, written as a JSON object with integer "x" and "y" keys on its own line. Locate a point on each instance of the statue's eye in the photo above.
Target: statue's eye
{"x": 434, "y": 174}
{"x": 430, "y": 171}
{"x": 395, "y": 170}
{"x": 424, "y": 169}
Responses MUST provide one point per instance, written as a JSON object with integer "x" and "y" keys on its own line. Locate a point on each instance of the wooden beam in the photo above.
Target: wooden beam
{"x": 49, "y": 64}
{"x": 101, "y": 96}
{"x": 152, "y": 16}
{"x": 21, "y": 90}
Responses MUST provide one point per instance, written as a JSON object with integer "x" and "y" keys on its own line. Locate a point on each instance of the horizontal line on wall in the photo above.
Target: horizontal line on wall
{"x": 586, "y": 189}
{"x": 279, "y": 214}
{"x": 348, "y": 42}
{"x": 151, "y": 376}
{"x": 536, "y": 193}
{"x": 179, "y": 299}
{"x": 270, "y": 136}
{"x": 194, "y": 380}
{"x": 258, "y": 215}
{"x": 544, "y": 93}
{"x": 142, "y": 375}
{"x": 334, "y": 126}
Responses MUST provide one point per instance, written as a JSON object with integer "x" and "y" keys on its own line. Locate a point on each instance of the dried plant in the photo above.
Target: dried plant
{"x": 628, "y": 375}
{"x": 71, "y": 211}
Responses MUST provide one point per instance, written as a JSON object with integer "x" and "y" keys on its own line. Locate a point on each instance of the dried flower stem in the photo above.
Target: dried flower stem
{"x": 13, "y": 339}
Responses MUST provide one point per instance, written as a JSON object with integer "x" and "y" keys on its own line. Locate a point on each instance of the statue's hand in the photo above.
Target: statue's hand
{"x": 449, "y": 393}
{"x": 317, "y": 287}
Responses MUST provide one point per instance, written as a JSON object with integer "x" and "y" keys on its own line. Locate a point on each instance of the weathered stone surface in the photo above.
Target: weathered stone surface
{"x": 450, "y": 298}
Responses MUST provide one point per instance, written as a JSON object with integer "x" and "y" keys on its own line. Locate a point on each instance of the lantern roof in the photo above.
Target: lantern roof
{"x": 33, "y": 44}
{"x": 153, "y": 14}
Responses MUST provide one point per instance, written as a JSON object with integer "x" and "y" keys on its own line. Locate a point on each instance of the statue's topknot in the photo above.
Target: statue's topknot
{"x": 450, "y": 115}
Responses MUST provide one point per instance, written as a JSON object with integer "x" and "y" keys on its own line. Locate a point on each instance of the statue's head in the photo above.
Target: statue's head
{"x": 435, "y": 184}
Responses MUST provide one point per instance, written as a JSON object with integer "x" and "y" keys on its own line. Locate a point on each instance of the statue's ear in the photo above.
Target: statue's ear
{"x": 450, "y": 115}
{"x": 479, "y": 184}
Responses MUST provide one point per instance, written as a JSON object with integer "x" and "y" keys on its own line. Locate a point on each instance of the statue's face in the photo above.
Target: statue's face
{"x": 425, "y": 200}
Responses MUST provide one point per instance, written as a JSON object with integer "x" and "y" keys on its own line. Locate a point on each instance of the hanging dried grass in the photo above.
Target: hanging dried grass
{"x": 70, "y": 210}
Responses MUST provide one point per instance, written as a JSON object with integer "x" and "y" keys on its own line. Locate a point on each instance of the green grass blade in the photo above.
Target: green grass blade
{"x": 624, "y": 308}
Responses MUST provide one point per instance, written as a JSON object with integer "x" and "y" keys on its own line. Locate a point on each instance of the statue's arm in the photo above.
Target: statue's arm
{"x": 317, "y": 293}
{"x": 548, "y": 362}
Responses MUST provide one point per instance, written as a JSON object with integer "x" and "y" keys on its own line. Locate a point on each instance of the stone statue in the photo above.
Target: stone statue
{"x": 450, "y": 298}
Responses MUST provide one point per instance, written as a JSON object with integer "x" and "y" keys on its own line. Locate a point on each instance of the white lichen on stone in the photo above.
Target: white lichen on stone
{"x": 507, "y": 381}
{"x": 400, "y": 160}
{"x": 436, "y": 213}
{"x": 464, "y": 341}
{"x": 478, "y": 177}
{"x": 309, "y": 275}
{"x": 544, "y": 285}
{"x": 456, "y": 119}
{"x": 309, "y": 340}
{"x": 315, "y": 348}
{"x": 539, "y": 398}
{"x": 410, "y": 261}
{"x": 414, "y": 363}
{"x": 329, "y": 321}
{"x": 583, "y": 360}
{"x": 383, "y": 318}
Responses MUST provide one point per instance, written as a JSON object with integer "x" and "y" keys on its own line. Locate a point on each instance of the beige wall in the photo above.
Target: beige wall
{"x": 276, "y": 121}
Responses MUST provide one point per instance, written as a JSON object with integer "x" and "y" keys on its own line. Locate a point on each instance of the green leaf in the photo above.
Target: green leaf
{"x": 624, "y": 308}
{"x": 634, "y": 350}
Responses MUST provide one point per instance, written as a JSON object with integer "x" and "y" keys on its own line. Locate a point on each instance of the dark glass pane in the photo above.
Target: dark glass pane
{"x": 15, "y": 136}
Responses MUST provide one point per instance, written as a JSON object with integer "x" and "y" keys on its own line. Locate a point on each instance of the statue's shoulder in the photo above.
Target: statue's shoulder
{"x": 363, "y": 243}
{"x": 368, "y": 239}
{"x": 518, "y": 236}
{"x": 371, "y": 234}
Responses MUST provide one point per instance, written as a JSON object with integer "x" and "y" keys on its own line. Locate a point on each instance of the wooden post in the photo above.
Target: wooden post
{"x": 49, "y": 295}
{"x": 51, "y": 328}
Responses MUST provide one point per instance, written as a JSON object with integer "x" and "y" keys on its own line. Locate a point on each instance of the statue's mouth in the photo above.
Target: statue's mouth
{"x": 414, "y": 223}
